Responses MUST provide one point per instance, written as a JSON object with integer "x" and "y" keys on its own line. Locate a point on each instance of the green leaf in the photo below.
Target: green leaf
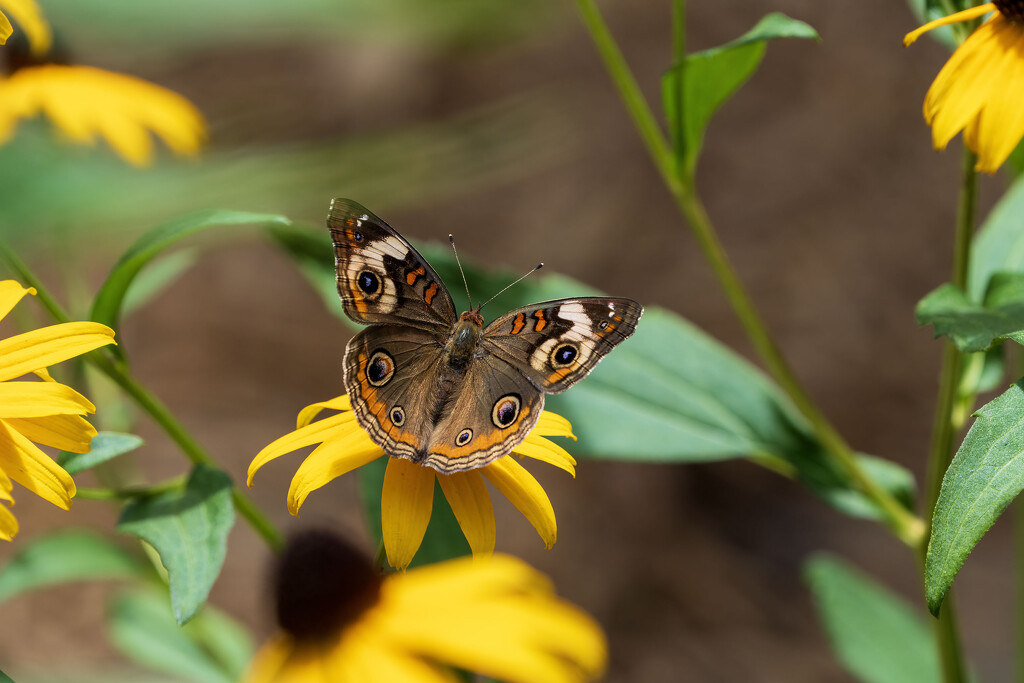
{"x": 444, "y": 539}
{"x": 972, "y": 326}
{"x": 189, "y": 530}
{"x": 4, "y": 678}
{"x": 876, "y": 636}
{"x": 998, "y": 245}
{"x": 105, "y": 446}
{"x": 226, "y": 641}
{"x": 705, "y": 80}
{"x": 107, "y": 307}
{"x": 986, "y": 474}
{"x": 162, "y": 273}
{"x": 143, "y": 628}
{"x": 63, "y": 557}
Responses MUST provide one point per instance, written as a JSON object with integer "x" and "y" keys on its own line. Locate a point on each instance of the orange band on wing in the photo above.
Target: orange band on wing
{"x": 482, "y": 442}
{"x": 428, "y": 295}
{"x": 518, "y": 324}
{"x": 414, "y": 275}
{"x": 541, "y": 322}
{"x": 358, "y": 298}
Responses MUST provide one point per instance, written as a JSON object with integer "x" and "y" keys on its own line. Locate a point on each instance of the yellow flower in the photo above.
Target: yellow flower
{"x": 408, "y": 491}
{"x": 30, "y": 20}
{"x": 45, "y": 412}
{"x": 979, "y": 89}
{"x": 342, "y": 622}
{"x": 85, "y": 102}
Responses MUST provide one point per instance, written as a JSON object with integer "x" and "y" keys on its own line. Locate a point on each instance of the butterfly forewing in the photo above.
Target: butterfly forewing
{"x": 381, "y": 278}
{"x": 556, "y": 343}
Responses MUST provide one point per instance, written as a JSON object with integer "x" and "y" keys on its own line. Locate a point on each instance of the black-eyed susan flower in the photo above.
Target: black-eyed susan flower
{"x": 86, "y": 103}
{"x": 497, "y": 616}
{"x": 408, "y": 492}
{"x": 44, "y": 412}
{"x": 978, "y": 91}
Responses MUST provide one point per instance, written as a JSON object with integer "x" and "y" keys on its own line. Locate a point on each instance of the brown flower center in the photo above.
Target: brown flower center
{"x": 322, "y": 585}
{"x": 1011, "y": 9}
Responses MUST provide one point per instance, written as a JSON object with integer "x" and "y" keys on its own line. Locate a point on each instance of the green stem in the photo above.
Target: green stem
{"x": 131, "y": 492}
{"x": 944, "y": 430}
{"x": 901, "y": 521}
{"x": 149, "y": 403}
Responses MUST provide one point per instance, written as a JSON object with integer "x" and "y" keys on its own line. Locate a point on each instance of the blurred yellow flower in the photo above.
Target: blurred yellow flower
{"x": 979, "y": 90}
{"x": 44, "y": 412}
{"x": 30, "y": 20}
{"x": 85, "y": 102}
{"x": 408, "y": 492}
{"x": 497, "y": 616}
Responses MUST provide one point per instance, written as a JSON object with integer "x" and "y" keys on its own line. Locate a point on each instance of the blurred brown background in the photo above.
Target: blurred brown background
{"x": 819, "y": 175}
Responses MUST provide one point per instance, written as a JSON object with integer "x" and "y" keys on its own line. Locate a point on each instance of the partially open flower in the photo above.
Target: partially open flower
{"x": 342, "y": 622}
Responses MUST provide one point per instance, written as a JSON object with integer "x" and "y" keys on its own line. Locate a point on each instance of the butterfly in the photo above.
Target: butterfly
{"x": 441, "y": 389}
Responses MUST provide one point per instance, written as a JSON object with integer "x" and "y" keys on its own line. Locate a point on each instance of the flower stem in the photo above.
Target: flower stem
{"x": 120, "y": 374}
{"x": 901, "y": 521}
{"x": 944, "y": 429}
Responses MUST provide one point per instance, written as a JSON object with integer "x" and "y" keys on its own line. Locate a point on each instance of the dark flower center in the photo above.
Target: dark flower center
{"x": 322, "y": 585}
{"x": 1011, "y": 9}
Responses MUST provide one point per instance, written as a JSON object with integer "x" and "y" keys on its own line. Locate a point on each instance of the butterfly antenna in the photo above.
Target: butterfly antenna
{"x": 451, "y": 238}
{"x": 503, "y": 289}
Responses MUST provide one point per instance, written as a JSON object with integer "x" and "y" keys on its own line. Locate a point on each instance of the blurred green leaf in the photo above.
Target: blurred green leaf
{"x": 4, "y": 678}
{"x": 998, "y": 246}
{"x": 142, "y": 627}
{"x": 444, "y": 539}
{"x": 189, "y": 530}
{"x": 107, "y": 307}
{"x": 983, "y": 372}
{"x": 63, "y": 557}
{"x": 162, "y": 273}
{"x": 876, "y": 636}
{"x": 971, "y": 326}
{"x": 105, "y": 446}
{"x": 226, "y": 641}
{"x": 693, "y": 90}
{"x": 986, "y": 474}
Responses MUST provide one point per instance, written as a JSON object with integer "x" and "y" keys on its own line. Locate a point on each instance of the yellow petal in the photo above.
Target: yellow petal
{"x": 309, "y": 413}
{"x": 341, "y": 426}
{"x": 84, "y": 102}
{"x": 539, "y": 448}
{"x": 30, "y": 20}
{"x": 5, "y": 32}
{"x": 550, "y": 424}
{"x": 508, "y": 603}
{"x": 23, "y": 462}
{"x": 67, "y": 432}
{"x": 48, "y": 346}
{"x": 963, "y": 85}
{"x": 1001, "y": 121}
{"x": 8, "y": 524}
{"x": 965, "y": 15}
{"x": 269, "y": 660}
{"x": 328, "y": 461}
{"x": 368, "y": 657}
{"x": 516, "y": 484}
{"x": 405, "y": 505}
{"x": 468, "y": 497}
{"x": 11, "y": 292}
{"x": 38, "y": 399}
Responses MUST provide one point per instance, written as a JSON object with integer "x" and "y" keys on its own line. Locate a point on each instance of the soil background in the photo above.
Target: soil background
{"x": 836, "y": 211}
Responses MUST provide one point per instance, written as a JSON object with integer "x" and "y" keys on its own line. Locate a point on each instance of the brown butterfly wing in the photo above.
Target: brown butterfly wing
{"x": 381, "y": 278}
{"x": 556, "y": 343}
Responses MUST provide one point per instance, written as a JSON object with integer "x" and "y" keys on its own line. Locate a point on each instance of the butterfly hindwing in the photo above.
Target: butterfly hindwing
{"x": 381, "y": 277}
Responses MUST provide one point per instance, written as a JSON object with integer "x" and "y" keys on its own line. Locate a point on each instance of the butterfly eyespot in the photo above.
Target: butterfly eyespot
{"x": 505, "y": 411}
{"x": 603, "y": 324}
{"x": 564, "y": 355}
{"x": 380, "y": 369}
{"x": 464, "y": 436}
{"x": 397, "y": 416}
{"x": 368, "y": 282}
{"x": 357, "y": 236}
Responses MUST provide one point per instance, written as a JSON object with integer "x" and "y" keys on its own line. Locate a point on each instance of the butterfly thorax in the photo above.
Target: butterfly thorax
{"x": 463, "y": 342}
